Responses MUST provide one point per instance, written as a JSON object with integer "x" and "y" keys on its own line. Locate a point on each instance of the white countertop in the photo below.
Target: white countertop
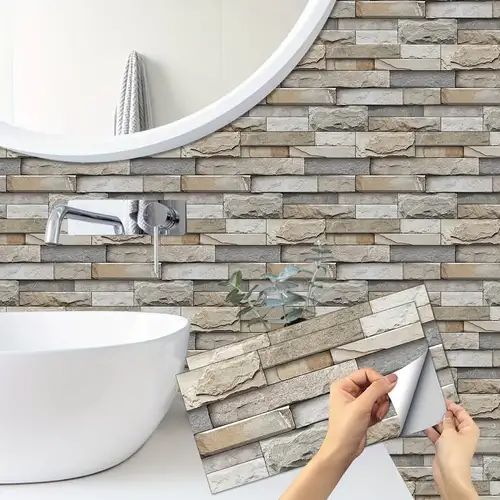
{"x": 168, "y": 467}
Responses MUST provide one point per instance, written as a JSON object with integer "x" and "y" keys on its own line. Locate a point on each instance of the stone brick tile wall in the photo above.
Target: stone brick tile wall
{"x": 384, "y": 144}
{"x": 259, "y": 407}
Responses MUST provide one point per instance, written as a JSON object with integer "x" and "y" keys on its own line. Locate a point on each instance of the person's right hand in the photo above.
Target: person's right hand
{"x": 455, "y": 440}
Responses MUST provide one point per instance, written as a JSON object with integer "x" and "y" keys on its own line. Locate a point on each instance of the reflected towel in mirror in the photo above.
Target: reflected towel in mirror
{"x": 133, "y": 113}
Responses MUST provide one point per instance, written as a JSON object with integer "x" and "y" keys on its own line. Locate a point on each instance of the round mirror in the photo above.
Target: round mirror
{"x": 88, "y": 80}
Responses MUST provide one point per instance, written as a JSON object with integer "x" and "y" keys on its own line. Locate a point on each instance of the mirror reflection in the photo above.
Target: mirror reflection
{"x": 96, "y": 68}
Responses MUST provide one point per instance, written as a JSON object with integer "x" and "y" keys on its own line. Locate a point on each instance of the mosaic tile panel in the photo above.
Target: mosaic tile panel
{"x": 267, "y": 397}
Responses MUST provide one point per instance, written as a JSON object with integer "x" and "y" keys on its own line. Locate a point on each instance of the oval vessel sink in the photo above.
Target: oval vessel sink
{"x": 80, "y": 392}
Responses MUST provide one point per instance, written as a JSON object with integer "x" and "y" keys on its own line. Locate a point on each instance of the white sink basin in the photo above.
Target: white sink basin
{"x": 80, "y": 392}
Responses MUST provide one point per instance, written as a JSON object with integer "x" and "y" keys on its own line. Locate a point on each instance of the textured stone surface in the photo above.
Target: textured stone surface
{"x": 429, "y": 31}
{"x": 208, "y": 319}
{"x": 482, "y": 405}
{"x": 232, "y": 457}
{"x": 294, "y": 231}
{"x": 244, "y": 431}
{"x": 336, "y": 79}
{"x": 492, "y": 468}
{"x": 293, "y": 449}
{"x": 385, "y": 144}
{"x": 390, "y": 183}
{"x": 389, "y": 319}
{"x": 55, "y": 299}
{"x": 342, "y": 293}
{"x": 381, "y": 431}
{"x": 207, "y": 384}
{"x": 9, "y": 293}
{"x": 227, "y": 352}
{"x": 237, "y": 475}
{"x": 274, "y": 396}
{"x": 199, "y": 419}
{"x": 310, "y": 344}
{"x": 223, "y": 143}
{"x": 464, "y": 9}
{"x": 320, "y": 323}
{"x": 423, "y": 206}
{"x": 492, "y": 118}
{"x": 376, "y": 343}
{"x": 399, "y": 357}
{"x": 276, "y": 176}
{"x": 341, "y": 118}
{"x": 492, "y": 292}
{"x": 298, "y": 373}
{"x": 311, "y": 411}
{"x": 168, "y": 293}
{"x": 417, "y": 294}
{"x": 262, "y": 205}
{"x": 298, "y": 367}
{"x": 470, "y": 231}
{"x": 467, "y": 56}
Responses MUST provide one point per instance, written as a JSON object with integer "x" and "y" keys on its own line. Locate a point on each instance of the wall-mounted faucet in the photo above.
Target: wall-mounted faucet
{"x": 118, "y": 217}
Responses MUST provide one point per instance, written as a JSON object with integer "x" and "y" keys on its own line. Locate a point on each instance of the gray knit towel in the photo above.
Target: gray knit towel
{"x": 133, "y": 113}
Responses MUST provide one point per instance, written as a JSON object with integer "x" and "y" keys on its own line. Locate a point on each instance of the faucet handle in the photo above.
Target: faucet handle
{"x": 155, "y": 214}
{"x": 158, "y": 218}
{"x": 176, "y": 218}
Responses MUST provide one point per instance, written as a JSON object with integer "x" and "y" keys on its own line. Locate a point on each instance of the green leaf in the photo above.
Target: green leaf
{"x": 234, "y": 296}
{"x": 272, "y": 277}
{"x": 293, "y": 315}
{"x": 236, "y": 278}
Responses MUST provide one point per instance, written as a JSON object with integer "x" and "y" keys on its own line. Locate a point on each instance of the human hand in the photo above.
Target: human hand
{"x": 356, "y": 402}
{"x": 455, "y": 440}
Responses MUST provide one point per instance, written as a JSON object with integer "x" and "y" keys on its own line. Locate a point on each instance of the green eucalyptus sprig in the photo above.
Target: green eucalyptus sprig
{"x": 261, "y": 301}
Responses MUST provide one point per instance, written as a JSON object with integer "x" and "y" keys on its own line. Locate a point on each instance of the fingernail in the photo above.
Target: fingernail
{"x": 392, "y": 378}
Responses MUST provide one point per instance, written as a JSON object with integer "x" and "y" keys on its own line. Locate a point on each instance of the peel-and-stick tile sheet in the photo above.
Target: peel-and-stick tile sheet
{"x": 259, "y": 407}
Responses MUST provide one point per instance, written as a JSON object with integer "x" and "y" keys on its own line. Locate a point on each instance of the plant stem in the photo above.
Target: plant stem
{"x": 312, "y": 282}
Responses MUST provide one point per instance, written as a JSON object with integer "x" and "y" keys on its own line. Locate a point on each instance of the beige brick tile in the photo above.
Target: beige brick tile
{"x": 110, "y": 183}
{"x": 471, "y": 96}
{"x": 390, "y": 9}
{"x": 400, "y": 183}
{"x": 41, "y": 183}
{"x": 455, "y": 10}
{"x": 220, "y": 183}
{"x": 245, "y": 431}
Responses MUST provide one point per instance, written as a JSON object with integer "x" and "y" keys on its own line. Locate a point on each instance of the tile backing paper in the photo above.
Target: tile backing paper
{"x": 259, "y": 407}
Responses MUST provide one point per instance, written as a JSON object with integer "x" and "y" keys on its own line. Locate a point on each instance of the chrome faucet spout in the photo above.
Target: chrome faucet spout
{"x": 127, "y": 218}
{"x": 61, "y": 212}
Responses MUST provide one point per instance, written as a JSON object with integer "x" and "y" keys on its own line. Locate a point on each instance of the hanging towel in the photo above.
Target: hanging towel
{"x": 133, "y": 113}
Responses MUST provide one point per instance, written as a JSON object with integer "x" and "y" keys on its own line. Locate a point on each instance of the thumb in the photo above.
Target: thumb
{"x": 376, "y": 390}
{"x": 449, "y": 422}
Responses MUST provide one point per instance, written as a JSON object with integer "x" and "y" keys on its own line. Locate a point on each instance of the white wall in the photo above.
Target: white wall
{"x": 6, "y": 62}
{"x": 68, "y": 57}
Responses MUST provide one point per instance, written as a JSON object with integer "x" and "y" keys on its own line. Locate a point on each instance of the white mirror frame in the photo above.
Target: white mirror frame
{"x": 190, "y": 128}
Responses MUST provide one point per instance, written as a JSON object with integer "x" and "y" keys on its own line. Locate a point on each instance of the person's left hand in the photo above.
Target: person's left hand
{"x": 356, "y": 402}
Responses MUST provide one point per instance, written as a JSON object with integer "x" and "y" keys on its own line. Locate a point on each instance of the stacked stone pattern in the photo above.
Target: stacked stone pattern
{"x": 384, "y": 144}
{"x": 270, "y": 393}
